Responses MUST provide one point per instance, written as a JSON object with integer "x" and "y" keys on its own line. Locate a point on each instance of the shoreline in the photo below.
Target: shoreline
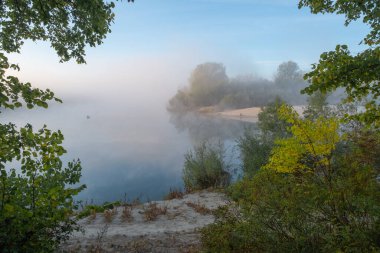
{"x": 249, "y": 114}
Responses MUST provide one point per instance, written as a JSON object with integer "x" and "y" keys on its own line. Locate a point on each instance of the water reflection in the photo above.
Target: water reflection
{"x": 204, "y": 127}
{"x": 127, "y": 147}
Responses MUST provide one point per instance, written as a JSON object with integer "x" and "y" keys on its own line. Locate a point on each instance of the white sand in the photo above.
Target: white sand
{"x": 172, "y": 232}
{"x": 247, "y": 114}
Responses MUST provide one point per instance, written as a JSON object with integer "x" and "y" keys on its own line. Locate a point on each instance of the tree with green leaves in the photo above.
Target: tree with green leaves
{"x": 317, "y": 106}
{"x": 358, "y": 74}
{"x": 36, "y": 189}
{"x": 319, "y": 192}
{"x": 255, "y": 146}
{"x": 206, "y": 83}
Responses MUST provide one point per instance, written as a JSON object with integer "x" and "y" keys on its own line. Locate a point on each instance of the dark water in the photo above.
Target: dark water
{"x": 128, "y": 147}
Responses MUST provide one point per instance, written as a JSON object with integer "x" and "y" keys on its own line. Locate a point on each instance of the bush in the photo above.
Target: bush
{"x": 36, "y": 201}
{"x": 174, "y": 194}
{"x": 204, "y": 168}
{"x": 319, "y": 199}
{"x": 254, "y": 152}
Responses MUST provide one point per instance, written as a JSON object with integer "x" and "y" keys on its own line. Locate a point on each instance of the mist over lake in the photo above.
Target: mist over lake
{"x": 126, "y": 146}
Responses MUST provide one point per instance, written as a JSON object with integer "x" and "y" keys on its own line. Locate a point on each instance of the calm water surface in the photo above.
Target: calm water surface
{"x": 126, "y": 146}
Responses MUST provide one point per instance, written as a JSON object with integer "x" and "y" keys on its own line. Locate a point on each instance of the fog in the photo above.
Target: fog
{"x": 114, "y": 118}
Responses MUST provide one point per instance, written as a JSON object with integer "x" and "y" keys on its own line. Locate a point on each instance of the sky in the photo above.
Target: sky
{"x": 155, "y": 44}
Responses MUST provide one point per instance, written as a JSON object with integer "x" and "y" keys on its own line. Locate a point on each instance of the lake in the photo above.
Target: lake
{"x": 128, "y": 147}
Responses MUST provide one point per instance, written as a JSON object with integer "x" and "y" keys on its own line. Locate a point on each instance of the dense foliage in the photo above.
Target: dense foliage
{"x": 319, "y": 190}
{"x": 36, "y": 189}
{"x": 318, "y": 193}
{"x": 256, "y": 144}
{"x": 357, "y": 74}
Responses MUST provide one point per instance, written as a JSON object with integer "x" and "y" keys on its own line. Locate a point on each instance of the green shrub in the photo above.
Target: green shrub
{"x": 205, "y": 167}
{"x": 327, "y": 202}
{"x": 270, "y": 124}
{"x": 89, "y": 209}
{"x": 254, "y": 152}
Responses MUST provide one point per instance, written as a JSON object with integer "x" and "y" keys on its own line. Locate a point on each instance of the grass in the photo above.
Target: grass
{"x": 152, "y": 211}
{"x": 126, "y": 214}
{"x": 174, "y": 194}
{"x": 202, "y": 209}
{"x": 109, "y": 214}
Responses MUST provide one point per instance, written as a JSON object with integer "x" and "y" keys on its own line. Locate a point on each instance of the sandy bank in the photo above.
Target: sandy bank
{"x": 174, "y": 231}
{"x": 245, "y": 114}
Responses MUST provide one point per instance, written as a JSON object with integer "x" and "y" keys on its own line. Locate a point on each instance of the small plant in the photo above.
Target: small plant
{"x": 174, "y": 194}
{"x": 109, "y": 214}
{"x": 90, "y": 210}
{"x": 135, "y": 202}
{"x": 205, "y": 167}
{"x": 98, "y": 246}
{"x": 92, "y": 215}
{"x": 126, "y": 214}
{"x": 199, "y": 208}
{"x": 152, "y": 211}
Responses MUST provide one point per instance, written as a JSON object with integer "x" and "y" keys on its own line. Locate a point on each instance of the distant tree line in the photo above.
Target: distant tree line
{"x": 209, "y": 85}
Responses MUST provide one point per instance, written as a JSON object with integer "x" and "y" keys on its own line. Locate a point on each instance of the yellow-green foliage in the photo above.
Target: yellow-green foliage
{"x": 333, "y": 208}
{"x": 311, "y": 140}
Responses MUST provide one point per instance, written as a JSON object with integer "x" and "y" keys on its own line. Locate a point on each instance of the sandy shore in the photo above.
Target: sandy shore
{"x": 175, "y": 231}
{"x": 246, "y": 114}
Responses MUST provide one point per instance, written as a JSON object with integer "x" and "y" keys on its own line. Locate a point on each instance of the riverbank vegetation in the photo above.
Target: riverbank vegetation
{"x": 315, "y": 188}
{"x": 36, "y": 188}
{"x": 310, "y": 183}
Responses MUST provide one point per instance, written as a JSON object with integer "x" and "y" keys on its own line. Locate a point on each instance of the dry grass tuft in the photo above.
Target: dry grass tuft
{"x": 174, "y": 194}
{"x": 109, "y": 214}
{"x": 126, "y": 214}
{"x": 152, "y": 211}
{"x": 202, "y": 209}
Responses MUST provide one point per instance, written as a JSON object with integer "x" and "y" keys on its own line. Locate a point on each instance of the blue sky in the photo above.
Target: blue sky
{"x": 168, "y": 38}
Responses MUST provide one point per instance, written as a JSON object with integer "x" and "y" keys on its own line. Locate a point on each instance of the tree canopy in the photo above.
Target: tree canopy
{"x": 68, "y": 25}
{"x": 359, "y": 74}
{"x": 36, "y": 189}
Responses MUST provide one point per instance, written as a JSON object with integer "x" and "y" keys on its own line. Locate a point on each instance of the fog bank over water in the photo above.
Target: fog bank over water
{"x": 114, "y": 116}
{"x": 114, "y": 120}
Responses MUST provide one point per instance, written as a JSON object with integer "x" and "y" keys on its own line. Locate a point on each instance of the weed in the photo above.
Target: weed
{"x": 152, "y": 211}
{"x": 126, "y": 214}
{"x": 109, "y": 214}
{"x": 98, "y": 246}
{"x": 92, "y": 216}
{"x": 174, "y": 194}
{"x": 199, "y": 208}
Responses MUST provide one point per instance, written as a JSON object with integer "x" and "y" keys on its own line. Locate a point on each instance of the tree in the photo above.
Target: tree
{"x": 270, "y": 124}
{"x": 36, "y": 199}
{"x": 319, "y": 192}
{"x": 288, "y": 73}
{"x": 255, "y": 147}
{"x": 317, "y": 106}
{"x": 206, "y": 82}
{"x": 312, "y": 141}
{"x": 288, "y": 81}
{"x": 358, "y": 74}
